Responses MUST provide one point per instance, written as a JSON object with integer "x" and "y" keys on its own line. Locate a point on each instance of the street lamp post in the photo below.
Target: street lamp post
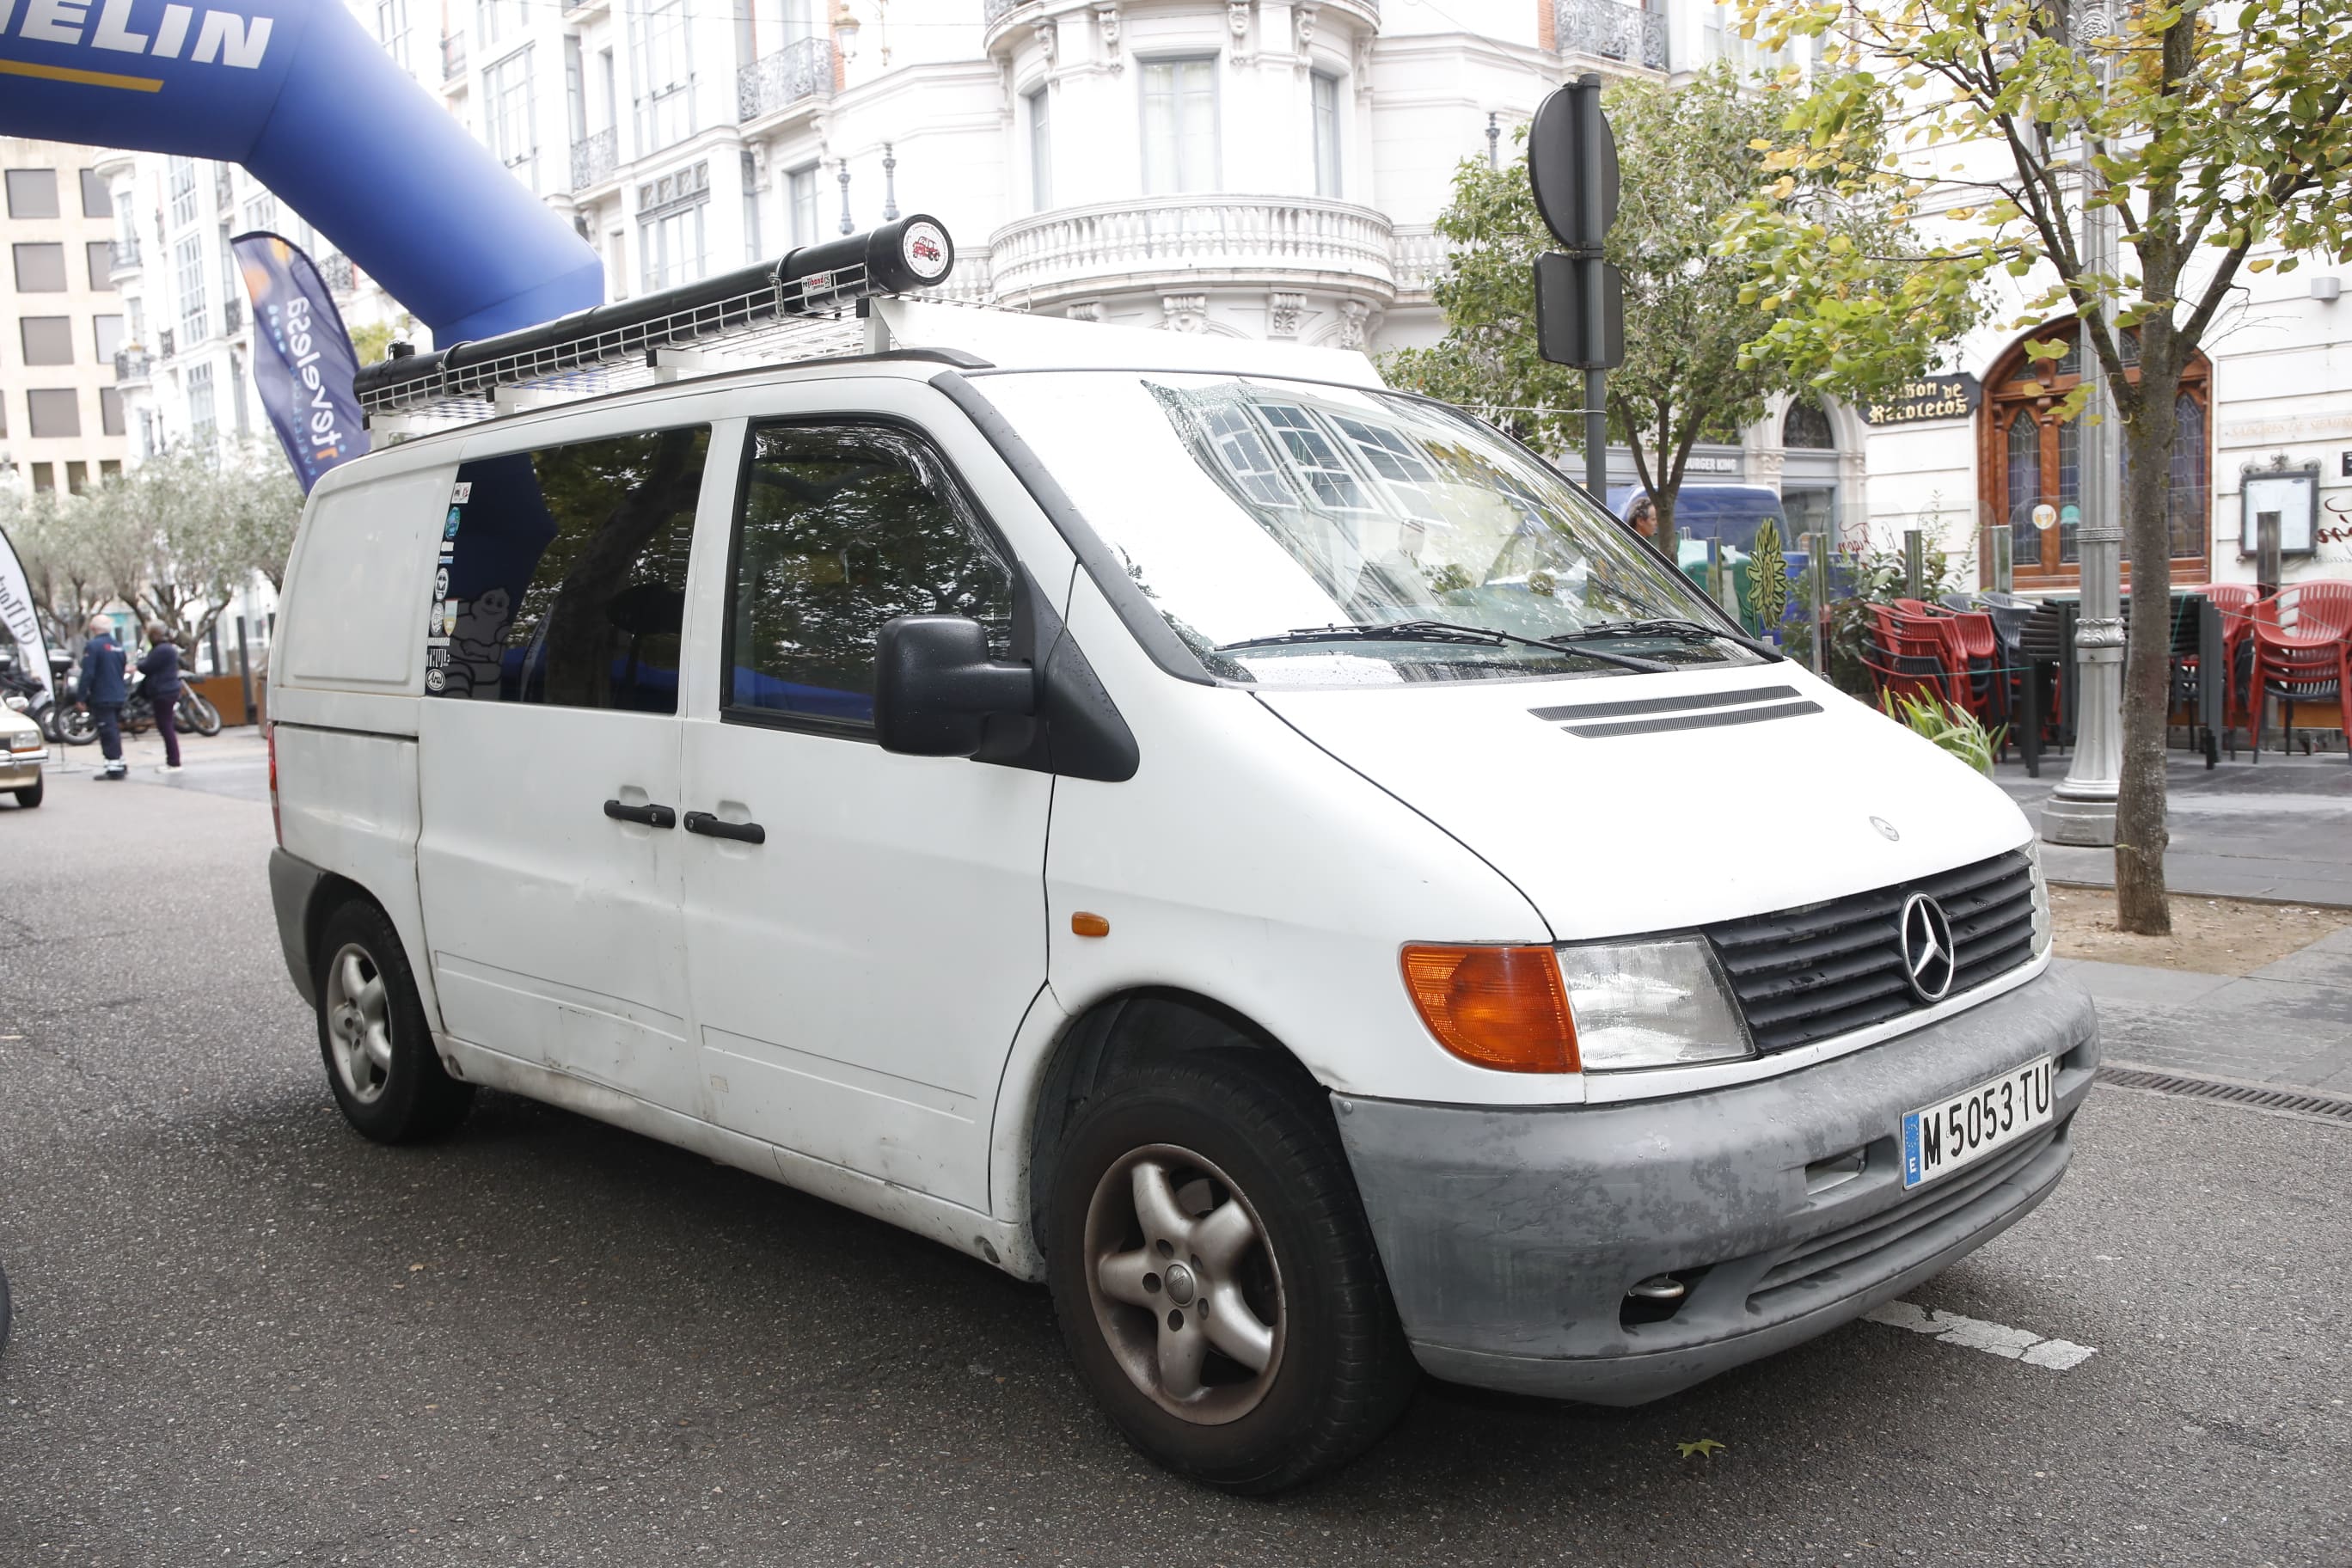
{"x": 2083, "y": 809}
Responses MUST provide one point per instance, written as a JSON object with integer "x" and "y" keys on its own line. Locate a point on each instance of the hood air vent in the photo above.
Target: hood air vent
{"x": 1702, "y": 711}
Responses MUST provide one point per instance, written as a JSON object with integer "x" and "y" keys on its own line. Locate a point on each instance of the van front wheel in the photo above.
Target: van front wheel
{"x": 1214, "y": 1276}
{"x": 372, "y": 1031}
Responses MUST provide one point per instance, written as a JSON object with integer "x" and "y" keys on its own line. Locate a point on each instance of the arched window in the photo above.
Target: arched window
{"x": 1806, "y": 427}
{"x": 2029, "y": 458}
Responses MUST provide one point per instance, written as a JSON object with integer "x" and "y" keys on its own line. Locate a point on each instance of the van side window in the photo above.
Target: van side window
{"x": 838, "y": 530}
{"x": 563, "y": 573}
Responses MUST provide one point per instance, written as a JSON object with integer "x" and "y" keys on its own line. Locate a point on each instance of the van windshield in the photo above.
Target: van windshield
{"x": 1308, "y": 534}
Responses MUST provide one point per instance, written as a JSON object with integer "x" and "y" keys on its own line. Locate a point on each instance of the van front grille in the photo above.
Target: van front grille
{"x": 1806, "y": 974}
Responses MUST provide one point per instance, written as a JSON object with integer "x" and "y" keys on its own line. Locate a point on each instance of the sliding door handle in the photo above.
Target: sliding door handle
{"x": 645, "y": 816}
{"x": 709, "y": 826}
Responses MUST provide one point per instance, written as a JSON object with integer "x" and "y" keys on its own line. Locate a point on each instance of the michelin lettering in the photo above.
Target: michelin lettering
{"x": 222, "y": 37}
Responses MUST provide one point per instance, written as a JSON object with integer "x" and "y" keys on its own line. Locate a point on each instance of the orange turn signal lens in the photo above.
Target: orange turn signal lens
{"x": 1500, "y": 1008}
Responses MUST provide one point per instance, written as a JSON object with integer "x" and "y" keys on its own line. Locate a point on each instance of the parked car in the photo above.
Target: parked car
{"x": 23, "y": 752}
{"x": 1179, "y": 821}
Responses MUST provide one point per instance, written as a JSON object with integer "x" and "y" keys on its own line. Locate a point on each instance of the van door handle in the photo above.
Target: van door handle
{"x": 710, "y": 827}
{"x": 645, "y": 816}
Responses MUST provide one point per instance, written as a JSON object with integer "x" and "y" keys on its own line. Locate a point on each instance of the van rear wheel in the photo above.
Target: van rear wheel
{"x": 1214, "y": 1277}
{"x": 372, "y": 1033}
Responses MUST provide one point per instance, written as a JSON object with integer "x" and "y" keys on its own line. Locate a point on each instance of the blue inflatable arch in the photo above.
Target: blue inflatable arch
{"x": 296, "y": 92}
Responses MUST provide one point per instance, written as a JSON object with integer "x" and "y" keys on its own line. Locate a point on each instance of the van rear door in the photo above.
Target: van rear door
{"x": 547, "y": 861}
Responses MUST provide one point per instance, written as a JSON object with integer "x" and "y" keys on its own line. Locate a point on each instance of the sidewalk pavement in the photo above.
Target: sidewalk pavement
{"x": 235, "y": 763}
{"x": 2288, "y": 1023}
{"x": 2279, "y": 831}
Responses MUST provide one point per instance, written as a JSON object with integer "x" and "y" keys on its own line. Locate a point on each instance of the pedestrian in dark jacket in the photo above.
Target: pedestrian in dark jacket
{"x": 105, "y": 688}
{"x": 161, "y": 668}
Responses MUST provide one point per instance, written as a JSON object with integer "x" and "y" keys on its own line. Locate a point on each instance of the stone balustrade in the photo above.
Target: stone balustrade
{"x": 1192, "y": 242}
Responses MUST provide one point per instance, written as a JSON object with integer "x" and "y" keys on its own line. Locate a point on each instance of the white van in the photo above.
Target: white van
{"x": 1256, "y": 851}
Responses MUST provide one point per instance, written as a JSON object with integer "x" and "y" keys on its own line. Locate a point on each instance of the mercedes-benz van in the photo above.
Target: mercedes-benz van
{"x": 1253, "y": 850}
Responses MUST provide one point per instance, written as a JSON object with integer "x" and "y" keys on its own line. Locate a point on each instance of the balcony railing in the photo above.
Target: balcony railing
{"x": 1189, "y": 241}
{"x": 453, "y": 56}
{"x": 130, "y": 366}
{"x": 1420, "y": 259}
{"x": 223, "y": 188}
{"x": 797, "y": 72}
{"x": 994, "y": 11}
{"x": 232, "y": 315}
{"x": 1610, "y": 31}
{"x": 165, "y": 347}
{"x": 126, "y": 255}
{"x": 335, "y": 272}
{"x": 595, "y": 160}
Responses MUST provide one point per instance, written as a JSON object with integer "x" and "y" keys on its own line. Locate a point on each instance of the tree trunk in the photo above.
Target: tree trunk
{"x": 2141, "y": 834}
{"x": 1662, "y": 502}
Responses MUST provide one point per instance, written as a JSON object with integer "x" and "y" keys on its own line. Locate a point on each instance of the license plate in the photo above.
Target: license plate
{"x": 1942, "y": 1138}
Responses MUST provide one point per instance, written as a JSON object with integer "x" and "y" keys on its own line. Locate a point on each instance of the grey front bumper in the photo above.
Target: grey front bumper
{"x": 1512, "y": 1236}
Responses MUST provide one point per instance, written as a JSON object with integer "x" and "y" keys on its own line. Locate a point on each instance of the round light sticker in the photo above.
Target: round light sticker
{"x": 925, "y": 247}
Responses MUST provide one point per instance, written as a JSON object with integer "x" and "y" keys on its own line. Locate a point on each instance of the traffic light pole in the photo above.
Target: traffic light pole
{"x": 1573, "y": 168}
{"x": 1596, "y": 428}
{"x": 1593, "y": 217}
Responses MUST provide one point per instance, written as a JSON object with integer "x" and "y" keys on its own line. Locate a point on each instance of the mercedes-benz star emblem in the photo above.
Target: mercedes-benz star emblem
{"x": 1926, "y": 941}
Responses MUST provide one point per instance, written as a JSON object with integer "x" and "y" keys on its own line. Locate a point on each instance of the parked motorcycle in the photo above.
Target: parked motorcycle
{"x": 29, "y": 697}
{"x": 77, "y": 726}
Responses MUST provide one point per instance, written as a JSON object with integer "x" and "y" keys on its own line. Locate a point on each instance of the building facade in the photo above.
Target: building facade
{"x": 2265, "y": 416}
{"x": 62, "y": 323}
{"x": 1270, "y": 168}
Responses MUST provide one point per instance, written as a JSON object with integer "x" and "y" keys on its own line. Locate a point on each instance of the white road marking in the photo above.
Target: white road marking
{"x": 1996, "y": 1339}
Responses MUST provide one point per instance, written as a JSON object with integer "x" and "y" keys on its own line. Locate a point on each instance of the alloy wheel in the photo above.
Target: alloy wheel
{"x": 359, "y": 1023}
{"x": 1185, "y": 1286}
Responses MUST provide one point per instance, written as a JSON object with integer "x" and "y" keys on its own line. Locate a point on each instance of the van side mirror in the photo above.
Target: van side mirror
{"x": 935, "y": 688}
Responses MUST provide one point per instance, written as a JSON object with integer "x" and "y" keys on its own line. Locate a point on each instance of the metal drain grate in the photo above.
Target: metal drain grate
{"x": 2336, "y": 1108}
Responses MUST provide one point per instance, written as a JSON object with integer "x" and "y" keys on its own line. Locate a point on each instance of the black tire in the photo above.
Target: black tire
{"x": 414, "y": 1099}
{"x": 196, "y": 713}
{"x": 30, "y": 796}
{"x": 1341, "y": 1371}
{"x": 76, "y": 726}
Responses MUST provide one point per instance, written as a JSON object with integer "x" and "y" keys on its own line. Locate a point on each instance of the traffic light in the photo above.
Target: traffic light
{"x": 1573, "y": 168}
{"x": 1572, "y": 165}
{"x": 1564, "y": 319}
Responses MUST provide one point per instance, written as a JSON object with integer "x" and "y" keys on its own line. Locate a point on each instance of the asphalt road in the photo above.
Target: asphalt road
{"x": 245, "y": 1336}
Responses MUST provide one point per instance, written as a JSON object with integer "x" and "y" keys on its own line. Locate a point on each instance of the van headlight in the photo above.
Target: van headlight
{"x": 1656, "y": 1003}
{"x": 2042, "y": 923}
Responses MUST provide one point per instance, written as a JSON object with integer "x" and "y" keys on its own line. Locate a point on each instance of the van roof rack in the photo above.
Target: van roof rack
{"x": 787, "y": 310}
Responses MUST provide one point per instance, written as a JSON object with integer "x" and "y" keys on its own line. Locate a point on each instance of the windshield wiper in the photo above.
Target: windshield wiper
{"x": 1437, "y": 631}
{"x": 1673, "y": 626}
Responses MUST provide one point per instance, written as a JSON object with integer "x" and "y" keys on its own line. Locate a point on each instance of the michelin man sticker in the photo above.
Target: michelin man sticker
{"x": 477, "y": 646}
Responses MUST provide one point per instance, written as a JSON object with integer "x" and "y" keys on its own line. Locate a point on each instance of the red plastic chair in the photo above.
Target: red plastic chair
{"x": 2303, "y": 653}
{"x": 1969, "y": 648}
{"x": 2236, "y": 601}
{"x": 1906, "y": 661}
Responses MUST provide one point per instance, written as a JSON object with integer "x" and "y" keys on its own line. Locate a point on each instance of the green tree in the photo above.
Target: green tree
{"x": 2220, "y": 142}
{"x": 61, "y": 564}
{"x": 177, "y": 536}
{"x": 1690, "y": 159}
